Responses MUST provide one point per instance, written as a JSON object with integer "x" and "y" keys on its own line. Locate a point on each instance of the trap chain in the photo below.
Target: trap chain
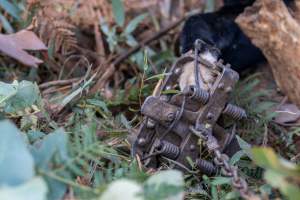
{"x": 174, "y": 123}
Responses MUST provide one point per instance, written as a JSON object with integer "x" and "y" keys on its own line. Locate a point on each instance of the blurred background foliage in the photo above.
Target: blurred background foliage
{"x": 70, "y": 118}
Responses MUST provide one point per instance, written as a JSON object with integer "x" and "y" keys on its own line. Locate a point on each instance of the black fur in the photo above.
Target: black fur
{"x": 220, "y": 30}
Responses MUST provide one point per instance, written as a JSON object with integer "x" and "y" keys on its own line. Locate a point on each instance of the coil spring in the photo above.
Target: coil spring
{"x": 206, "y": 167}
{"x": 235, "y": 112}
{"x": 200, "y": 95}
{"x": 168, "y": 150}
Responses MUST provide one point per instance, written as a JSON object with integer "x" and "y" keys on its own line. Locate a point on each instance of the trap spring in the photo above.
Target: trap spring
{"x": 175, "y": 124}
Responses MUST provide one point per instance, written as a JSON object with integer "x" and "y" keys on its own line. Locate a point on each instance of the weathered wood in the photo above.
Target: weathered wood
{"x": 273, "y": 29}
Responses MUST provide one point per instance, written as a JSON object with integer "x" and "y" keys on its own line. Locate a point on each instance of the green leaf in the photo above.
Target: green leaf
{"x": 244, "y": 146}
{"x": 16, "y": 163}
{"x": 51, "y": 48}
{"x": 158, "y": 76}
{"x": 35, "y": 189}
{"x": 76, "y": 92}
{"x": 6, "y": 25}
{"x": 266, "y": 189}
{"x": 286, "y": 187}
{"x": 236, "y": 157}
{"x": 89, "y": 131}
{"x": 146, "y": 64}
{"x": 266, "y": 158}
{"x": 232, "y": 195}
{"x": 44, "y": 150}
{"x": 264, "y": 106}
{"x": 130, "y": 40}
{"x": 125, "y": 122}
{"x": 248, "y": 86}
{"x": 134, "y": 93}
{"x": 57, "y": 189}
{"x": 99, "y": 103}
{"x": 10, "y": 8}
{"x": 161, "y": 58}
{"x": 111, "y": 34}
{"x": 123, "y": 189}
{"x": 220, "y": 181}
{"x": 53, "y": 143}
{"x": 7, "y": 91}
{"x": 165, "y": 185}
{"x": 280, "y": 173}
{"x": 171, "y": 177}
{"x": 119, "y": 13}
{"x": 132, "y": 25}
{"x": 16, "y": 96}
{"x": 214, "y": 193}
{"x": 34, "y": 135}
{"x": 171, "y": 92}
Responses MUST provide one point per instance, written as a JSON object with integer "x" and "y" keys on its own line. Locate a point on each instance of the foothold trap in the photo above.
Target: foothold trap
{"x": 175, "y": 124}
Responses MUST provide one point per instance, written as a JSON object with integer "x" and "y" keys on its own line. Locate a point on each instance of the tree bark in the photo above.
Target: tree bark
{"x": 273, "y": 29}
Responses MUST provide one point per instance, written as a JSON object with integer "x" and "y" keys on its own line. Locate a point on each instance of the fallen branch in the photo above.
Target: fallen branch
{"x": 273, "y": 29}
{"x": 58, "y": 83}
{"x": 147, "y": 41}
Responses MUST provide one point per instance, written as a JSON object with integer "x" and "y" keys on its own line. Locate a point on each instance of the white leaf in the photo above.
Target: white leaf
{"x": 123, "y": 190}
{"x": 168, "y": 178}
{"x": 35, "y": 189}
{"x": 16, "y": 163}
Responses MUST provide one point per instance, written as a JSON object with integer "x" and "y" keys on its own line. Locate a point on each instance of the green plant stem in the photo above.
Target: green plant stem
{"x": 66, "y": 181}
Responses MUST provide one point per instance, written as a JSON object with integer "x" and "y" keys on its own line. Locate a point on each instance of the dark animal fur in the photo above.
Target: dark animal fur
{"x": 220, "y": 30}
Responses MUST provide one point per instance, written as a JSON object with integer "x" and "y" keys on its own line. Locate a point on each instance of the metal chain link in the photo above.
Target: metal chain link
{"x": 222, "y": 160}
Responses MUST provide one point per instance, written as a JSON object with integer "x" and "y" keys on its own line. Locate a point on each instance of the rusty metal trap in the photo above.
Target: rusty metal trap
{"x": 174, "y": 124}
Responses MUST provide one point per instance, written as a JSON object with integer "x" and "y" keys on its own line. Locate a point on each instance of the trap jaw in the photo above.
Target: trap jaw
{"x": 173, "y": 124}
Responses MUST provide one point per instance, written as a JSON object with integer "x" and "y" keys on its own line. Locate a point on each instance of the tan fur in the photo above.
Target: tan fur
{"x": 188, "y": 78}
{"x": 207, "y": 77}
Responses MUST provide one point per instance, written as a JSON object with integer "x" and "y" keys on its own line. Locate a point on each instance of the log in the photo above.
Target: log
{"x": 276, "y": 31}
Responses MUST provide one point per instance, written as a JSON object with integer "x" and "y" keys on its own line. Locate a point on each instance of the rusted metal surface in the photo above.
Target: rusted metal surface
{"x": 174, "y": 124}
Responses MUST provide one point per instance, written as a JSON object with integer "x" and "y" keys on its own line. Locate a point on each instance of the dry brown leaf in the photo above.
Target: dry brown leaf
{"x": 287, "y": 113}
{"x": 14, "y": 45}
